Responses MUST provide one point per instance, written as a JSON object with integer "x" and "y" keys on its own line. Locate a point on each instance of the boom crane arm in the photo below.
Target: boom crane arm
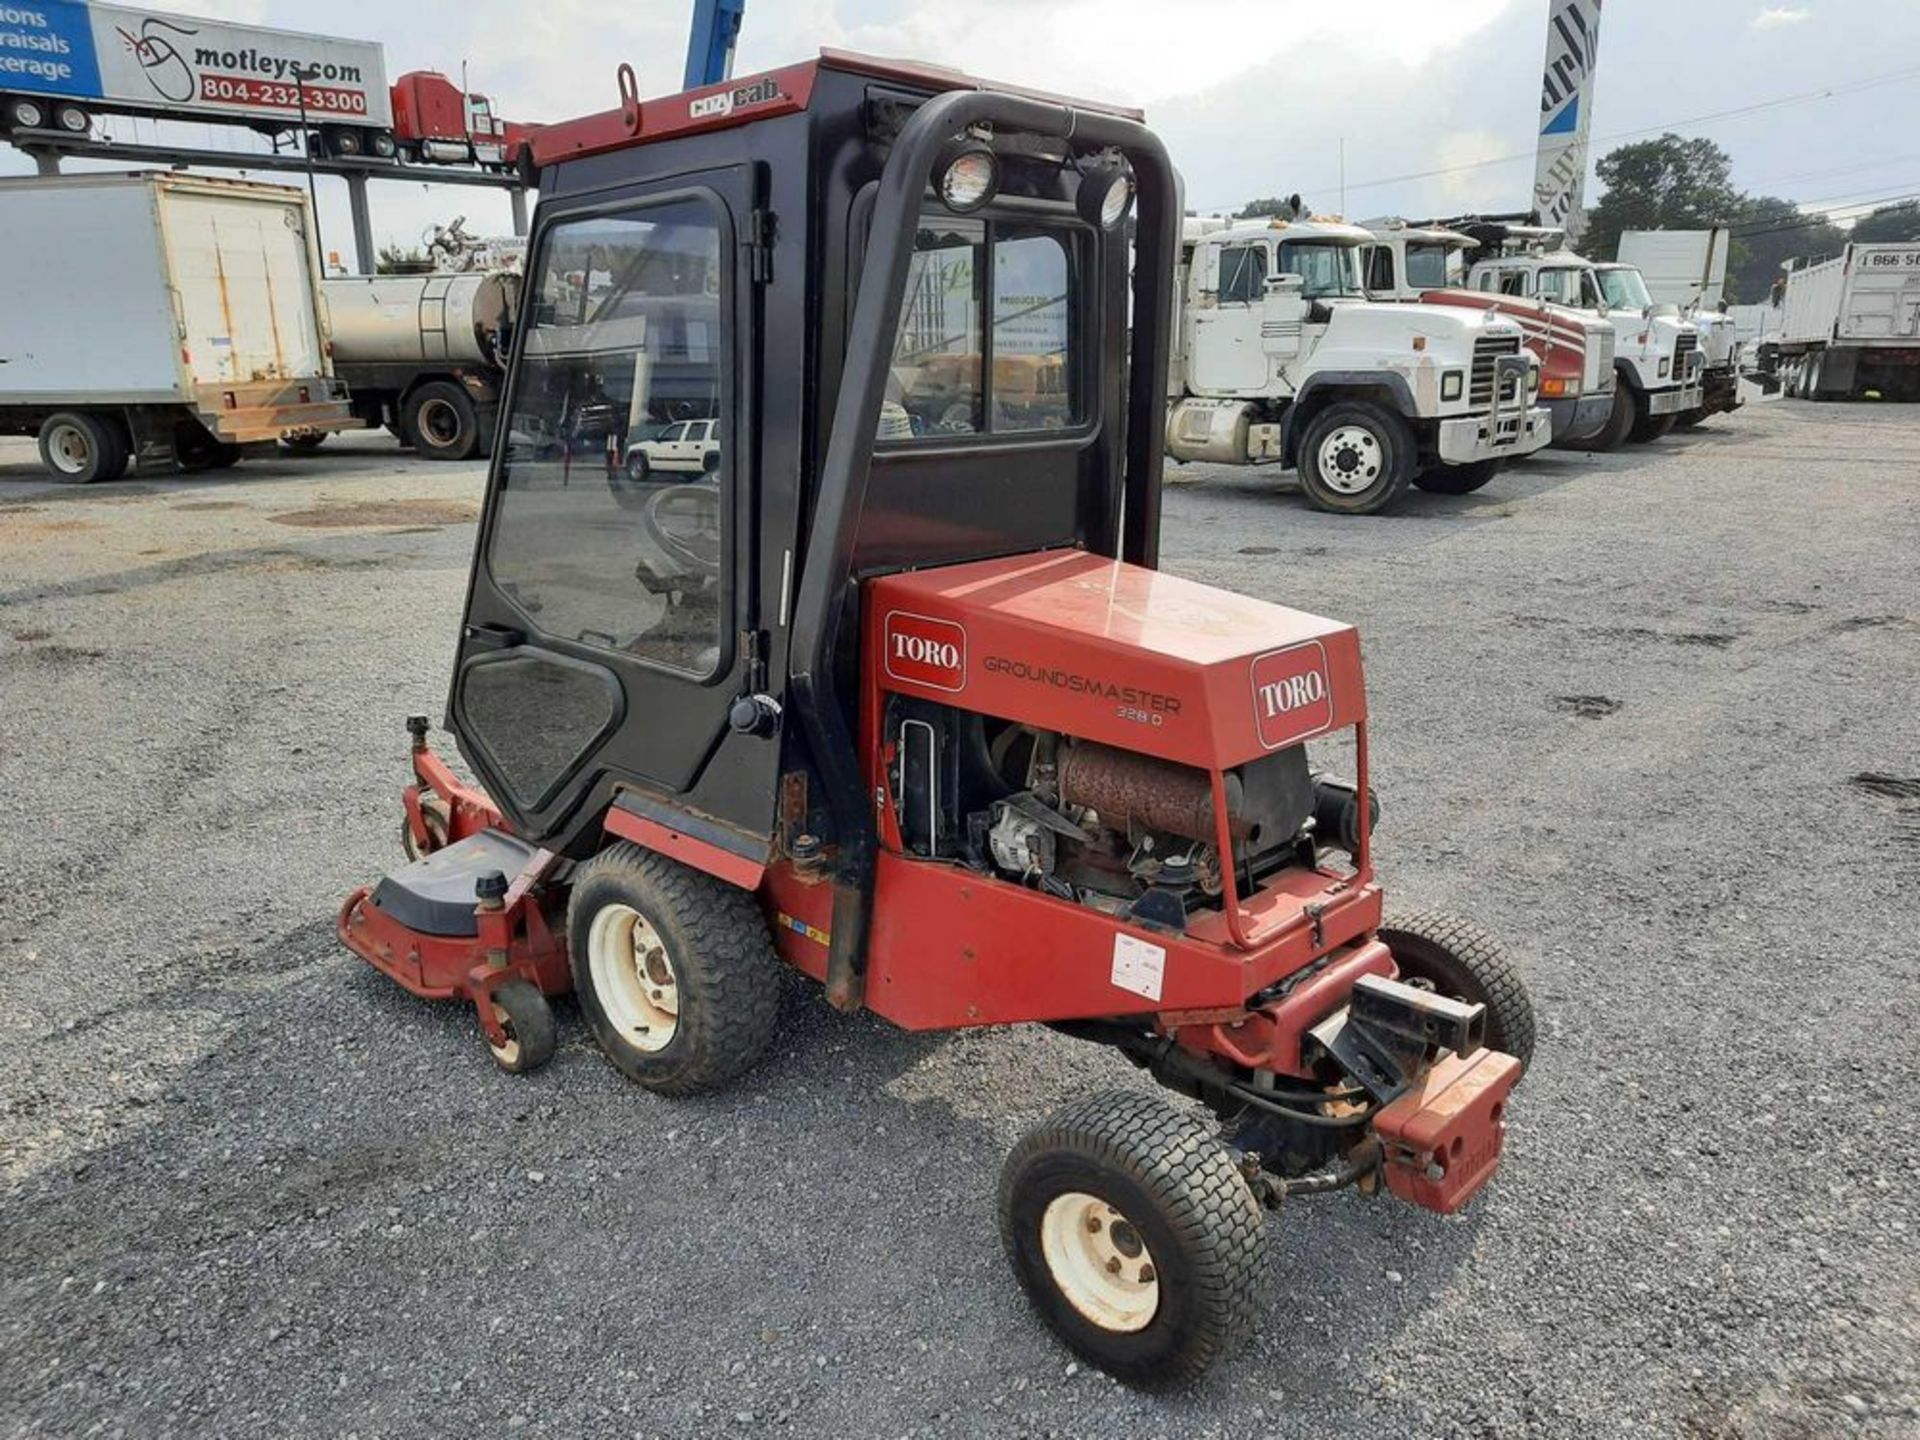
{"x": 716, "y": 27}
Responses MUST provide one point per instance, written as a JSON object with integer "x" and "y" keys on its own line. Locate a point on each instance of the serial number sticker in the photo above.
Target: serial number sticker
{"x": 1139, "y": 966}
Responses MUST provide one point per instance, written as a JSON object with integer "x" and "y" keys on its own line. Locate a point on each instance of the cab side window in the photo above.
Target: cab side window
{"x": 1243, "y": 274}
{"x": 1380, "y": 269}
{"x": 1513, "y": 283}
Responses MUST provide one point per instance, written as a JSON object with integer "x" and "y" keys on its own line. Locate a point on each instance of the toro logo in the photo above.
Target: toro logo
{"x": 926, "y": 651}
{"x": 1292, "y": 697}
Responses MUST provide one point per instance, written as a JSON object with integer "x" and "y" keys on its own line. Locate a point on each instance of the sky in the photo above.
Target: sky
{"x": 1253, "y": 97}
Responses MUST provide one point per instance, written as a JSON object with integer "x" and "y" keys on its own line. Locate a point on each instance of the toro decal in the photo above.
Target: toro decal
{"x": 1292, "y": 696}
{"x": 924, "y": 651}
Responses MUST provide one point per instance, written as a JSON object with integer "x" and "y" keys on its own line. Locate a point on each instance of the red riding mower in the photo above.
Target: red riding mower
{"x": 928, "y": 725}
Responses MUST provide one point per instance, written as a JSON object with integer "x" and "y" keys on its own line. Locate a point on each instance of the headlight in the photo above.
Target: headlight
{"x": 1533, "y": 379}
{"x": 1452, "y": 383}
{"x": 970, "y": 178}
{"x": 1105, "y": 197}
{"x": 1665, "y": 366}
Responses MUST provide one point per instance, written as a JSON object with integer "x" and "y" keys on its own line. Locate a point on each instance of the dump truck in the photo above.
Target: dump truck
{"x": 1283, "y": 358}
{"x": 158, "y": 320}
{"x": 1688, "y": 270}
{"x": 1427, "y": 265}
{"x": 1850, "y": 326}
{"x": 424, "y": 356}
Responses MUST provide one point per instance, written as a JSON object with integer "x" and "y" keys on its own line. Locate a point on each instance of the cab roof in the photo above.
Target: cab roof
{"x": 1313, "y": 227}
{"x": 762, "y": 96}
{"x": 1394, "y": 228}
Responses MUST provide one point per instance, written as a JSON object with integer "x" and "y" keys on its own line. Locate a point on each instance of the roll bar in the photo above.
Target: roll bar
{"x": 826, "y": 580}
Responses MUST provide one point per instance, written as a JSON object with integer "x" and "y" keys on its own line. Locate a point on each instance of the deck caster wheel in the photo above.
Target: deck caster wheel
{"x": 524, "y": 1014}
{"x": 1456, "y": 957}
{"x": 1134, "y": 1235}
{"x": 674, "y": 969}
{"x": 439, "y": 824}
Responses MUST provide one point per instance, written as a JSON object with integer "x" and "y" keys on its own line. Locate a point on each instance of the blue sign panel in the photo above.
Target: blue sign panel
{"x": 47, "y": 48}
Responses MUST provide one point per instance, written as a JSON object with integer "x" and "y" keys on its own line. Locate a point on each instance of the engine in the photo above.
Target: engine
{"x": 1130, "y": 834}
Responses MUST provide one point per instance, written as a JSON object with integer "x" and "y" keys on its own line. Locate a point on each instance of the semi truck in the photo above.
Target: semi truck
{"x": 1850, "y": 326}
{"x": 154, "y": 319}
{"x": 423, "y": 355}
{"x": 1657, "y": 355}
{"x": 1688, "y": 269}
{"x": 63, "y": 63}
{"x": 1427, "y": 265}
{"x": 1280, "y": 357}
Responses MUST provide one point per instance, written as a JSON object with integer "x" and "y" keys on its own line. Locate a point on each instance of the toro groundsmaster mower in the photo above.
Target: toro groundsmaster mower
{"x": 880, "y": 681}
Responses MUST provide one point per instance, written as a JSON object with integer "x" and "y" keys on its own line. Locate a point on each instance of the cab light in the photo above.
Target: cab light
{"x": 1533, "y": 379}
{"x": 1105, "y": 195}
{"x": 1419, "y": 342}
{"x": 969, "y": 179}
{"x": 1665, "y": 365}
{"x": 1556, "y": 385}
{"x": 1452, "y": 383}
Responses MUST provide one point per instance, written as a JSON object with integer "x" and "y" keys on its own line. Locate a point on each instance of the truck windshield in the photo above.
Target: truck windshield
{"x": 1562, "y": 284}
{"x": 1427, "y": 266}
{"x": 1624, "y": 288}
{"x": 1323, "y": 269}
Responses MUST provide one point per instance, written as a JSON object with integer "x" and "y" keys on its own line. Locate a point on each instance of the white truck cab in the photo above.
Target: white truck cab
{"x": 1281, "y": 357}
{"x": 1657, "y": 356}
{"x": 1427, "y": 264}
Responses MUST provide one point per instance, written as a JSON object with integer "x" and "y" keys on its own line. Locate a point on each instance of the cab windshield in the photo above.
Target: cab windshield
{"x": 1624, "y": 288}
{"x": 1563, "y": 285}
{"x": 1323, "y": 269}
{"x": 1427, "y": 265}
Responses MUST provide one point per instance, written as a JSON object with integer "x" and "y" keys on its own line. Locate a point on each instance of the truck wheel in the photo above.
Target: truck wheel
{"x": 1355, "y": 458}
{"x": 1458, "y": 958}
{"x": 25, "y": 114}
{"x": 306, "y": 442}
{"x": 1134, "y": 1235}
{"x": 1816, "y": 367}
{"x": 195, "y": 448}
{"x": 674, "y": 969}
{"x": 341, "y": 140}
{"x": 1689, "y": 419}
{"x": 1647, "y": 428}
{"x": 82, "y": 448}
{"x": 1613, "y": 434}
{"x": 72, "y": 119}
{"x": 1456, "y": 479}
{"x": 440, "y": 422}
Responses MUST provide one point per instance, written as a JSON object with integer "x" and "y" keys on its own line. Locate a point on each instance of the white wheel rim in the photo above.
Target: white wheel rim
{"x": 1100, "y": 1262}
{"x": 69, "y": 449}
{"x": 633, "y": 978}
{"x": 509, "y": 1053}
{"x": 1350, "y": 459}
{"x": 30, "y": 116}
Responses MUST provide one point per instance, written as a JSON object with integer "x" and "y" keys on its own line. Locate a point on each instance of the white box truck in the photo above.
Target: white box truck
{"x": 1850, "y": 326}
{"x": 154, "y": 319}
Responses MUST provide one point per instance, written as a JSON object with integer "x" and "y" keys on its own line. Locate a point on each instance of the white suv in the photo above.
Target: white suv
{"x": 692, "y": 445}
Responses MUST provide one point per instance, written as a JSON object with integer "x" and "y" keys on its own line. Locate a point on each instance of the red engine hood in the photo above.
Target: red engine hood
{"x": 1115, "y": 653}
{"x": 1558, "y": 336}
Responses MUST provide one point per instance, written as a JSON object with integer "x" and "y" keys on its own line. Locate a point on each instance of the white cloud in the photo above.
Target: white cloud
{"x": 1774, "y": 16}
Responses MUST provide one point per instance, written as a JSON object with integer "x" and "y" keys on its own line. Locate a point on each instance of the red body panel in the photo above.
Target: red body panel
{"x": 687, "y": 849}
{"x": 428, "y": 106}
{"x": 1442, "y": 1138}
{"x": 1112, "y": 652}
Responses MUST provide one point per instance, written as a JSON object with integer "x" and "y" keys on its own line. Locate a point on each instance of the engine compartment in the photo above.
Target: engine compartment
{"x": 1130, "y": 834}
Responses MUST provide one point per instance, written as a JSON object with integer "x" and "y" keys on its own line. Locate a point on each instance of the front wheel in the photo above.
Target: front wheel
{"x": 1648, "y": 426}
{"x": 1613, "y": 434}
{"x": 1134, "y": 1235}
{"x": 1688, "y": 419}
{"x": 523, "y": 1013}
{"x": 1457, "y": 479}
{"x": 1355, "y": 458}
{"x": 1457, "y": 958}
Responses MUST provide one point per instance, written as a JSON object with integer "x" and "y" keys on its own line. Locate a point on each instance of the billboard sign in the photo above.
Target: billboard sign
{"x": 1566, "y": 113}
{"x": 152, "y": 63}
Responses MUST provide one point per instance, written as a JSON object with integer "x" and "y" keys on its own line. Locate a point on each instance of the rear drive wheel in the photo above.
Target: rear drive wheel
{"x": 1134, "y": 1235}
{"x": 1458, "y": 958}
{"x": 1355, "y": 458}
{"x": 441, "y": 423}
{"x": 82, "y": 448}
{"x": 674, "y": 969}
{"x": 1816, "y": 368}
{"x": 72, "y": 119}
{"x": 1457, "y": 479}
{"x": 524, "y": 1014}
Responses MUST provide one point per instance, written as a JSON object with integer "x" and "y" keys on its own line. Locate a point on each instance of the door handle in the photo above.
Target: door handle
{"x": 495, "y": 637}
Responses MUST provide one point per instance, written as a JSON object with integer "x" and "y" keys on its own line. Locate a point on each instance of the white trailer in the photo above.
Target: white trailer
{"x": 159, "y": 319}
{"x": 1850, "y": 326}
{"x": 1687, "y": 268}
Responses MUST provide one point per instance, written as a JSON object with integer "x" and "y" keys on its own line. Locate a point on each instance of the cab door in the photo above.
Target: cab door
{"x": 612, "y": 620}
{"x": 1228, "y": 355}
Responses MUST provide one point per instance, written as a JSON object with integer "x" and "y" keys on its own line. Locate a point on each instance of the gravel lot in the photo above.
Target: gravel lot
{"x": 1651, "y": 717}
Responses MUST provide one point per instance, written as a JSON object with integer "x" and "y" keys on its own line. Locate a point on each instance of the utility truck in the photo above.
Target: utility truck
{"x": 1282, "y": 358}
{"x": 1657, "y": 356}
{"x": 1427, "y": 265}
{"x": 425, "y": 356}
{"x": 1688, "y": 269}
{"x": 154, "y": 319}
{"x": 1850, "y": 326}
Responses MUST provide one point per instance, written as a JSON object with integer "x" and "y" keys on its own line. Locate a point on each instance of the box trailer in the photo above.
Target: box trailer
{"x": 160, "y": 319}
{"x": 1850, "y": 326}
{"x": 1687, "y": 268}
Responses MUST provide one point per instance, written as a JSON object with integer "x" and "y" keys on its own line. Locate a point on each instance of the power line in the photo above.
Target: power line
{"x": 1798, "y": 98}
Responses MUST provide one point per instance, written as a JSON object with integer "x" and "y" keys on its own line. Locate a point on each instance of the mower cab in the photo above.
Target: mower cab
{"x": 869, "y": 669}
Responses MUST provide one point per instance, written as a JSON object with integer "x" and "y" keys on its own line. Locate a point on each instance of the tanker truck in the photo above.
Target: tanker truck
{"x": 424, "y": 355}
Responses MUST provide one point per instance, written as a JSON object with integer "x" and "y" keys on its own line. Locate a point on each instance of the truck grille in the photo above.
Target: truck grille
{"x": 1487, "y": 350}
{"x": 1686, "y": 356}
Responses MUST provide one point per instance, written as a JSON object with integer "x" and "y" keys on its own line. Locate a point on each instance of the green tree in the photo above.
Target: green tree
{"x": 402, "y": 260}
{"x": 1890, "y": 224}
{"x": 1768, "y": 231}
{"x": 1268, "y": 205}
{"x": 1667, "y": 183}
